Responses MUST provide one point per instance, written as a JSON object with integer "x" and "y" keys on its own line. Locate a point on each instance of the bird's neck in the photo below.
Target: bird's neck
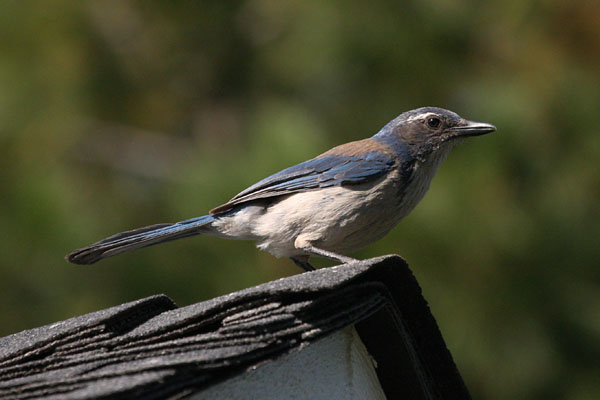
{"x": 398, "y": 146}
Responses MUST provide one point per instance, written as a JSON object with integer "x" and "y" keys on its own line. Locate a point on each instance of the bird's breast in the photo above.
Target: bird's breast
{"x": 417, "y": 181}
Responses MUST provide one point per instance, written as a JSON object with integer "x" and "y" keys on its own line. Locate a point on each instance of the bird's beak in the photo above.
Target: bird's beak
{"x": 472, "y": 128}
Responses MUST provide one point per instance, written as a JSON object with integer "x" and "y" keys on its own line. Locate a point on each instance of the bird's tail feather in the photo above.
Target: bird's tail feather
{"x": 138, "y": 238}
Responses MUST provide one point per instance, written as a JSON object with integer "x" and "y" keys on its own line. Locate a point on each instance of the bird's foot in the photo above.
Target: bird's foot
{"x": 305, "y": 265}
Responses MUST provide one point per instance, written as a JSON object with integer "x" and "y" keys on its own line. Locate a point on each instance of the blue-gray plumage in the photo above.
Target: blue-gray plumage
{"x": 336, "y": 203}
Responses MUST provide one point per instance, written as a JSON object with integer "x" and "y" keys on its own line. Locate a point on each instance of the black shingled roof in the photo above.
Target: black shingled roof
{"x": 150, "y": 349}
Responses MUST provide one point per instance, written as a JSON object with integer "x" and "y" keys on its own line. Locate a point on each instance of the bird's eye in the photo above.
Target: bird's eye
{"x": 433, "y": 122}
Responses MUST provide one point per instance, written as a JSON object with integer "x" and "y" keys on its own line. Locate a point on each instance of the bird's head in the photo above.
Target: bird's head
{"x": 428, "y": 129}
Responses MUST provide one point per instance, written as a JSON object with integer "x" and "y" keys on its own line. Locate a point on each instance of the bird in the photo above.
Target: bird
{"x": 334, "y": 204}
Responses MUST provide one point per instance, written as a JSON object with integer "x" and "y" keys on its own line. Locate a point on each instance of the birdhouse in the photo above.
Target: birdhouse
{"x": 355, "y": 331}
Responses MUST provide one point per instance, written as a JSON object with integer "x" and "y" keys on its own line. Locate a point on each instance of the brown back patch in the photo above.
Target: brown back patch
{"x": 358, "y": 148}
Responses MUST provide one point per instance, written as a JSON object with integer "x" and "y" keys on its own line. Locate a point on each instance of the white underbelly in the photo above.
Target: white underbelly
{"x": 338, "y": 219}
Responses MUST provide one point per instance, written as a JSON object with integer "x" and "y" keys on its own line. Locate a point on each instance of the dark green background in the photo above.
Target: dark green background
{"x": 118, "y": 114}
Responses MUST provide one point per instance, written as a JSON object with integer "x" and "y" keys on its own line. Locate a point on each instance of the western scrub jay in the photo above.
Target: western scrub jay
{"x": 333, "y": 204}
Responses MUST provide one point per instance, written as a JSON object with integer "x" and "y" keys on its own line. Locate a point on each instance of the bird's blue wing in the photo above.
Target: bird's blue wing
{"x": 321, "y": 172}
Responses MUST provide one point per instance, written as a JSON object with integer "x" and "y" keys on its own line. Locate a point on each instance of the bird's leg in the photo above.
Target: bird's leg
{"x": 327, "y": 254}
{"x": 304, "y": 264}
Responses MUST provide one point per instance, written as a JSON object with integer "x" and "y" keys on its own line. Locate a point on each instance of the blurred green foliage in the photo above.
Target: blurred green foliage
{"x": 119, "y": 114}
